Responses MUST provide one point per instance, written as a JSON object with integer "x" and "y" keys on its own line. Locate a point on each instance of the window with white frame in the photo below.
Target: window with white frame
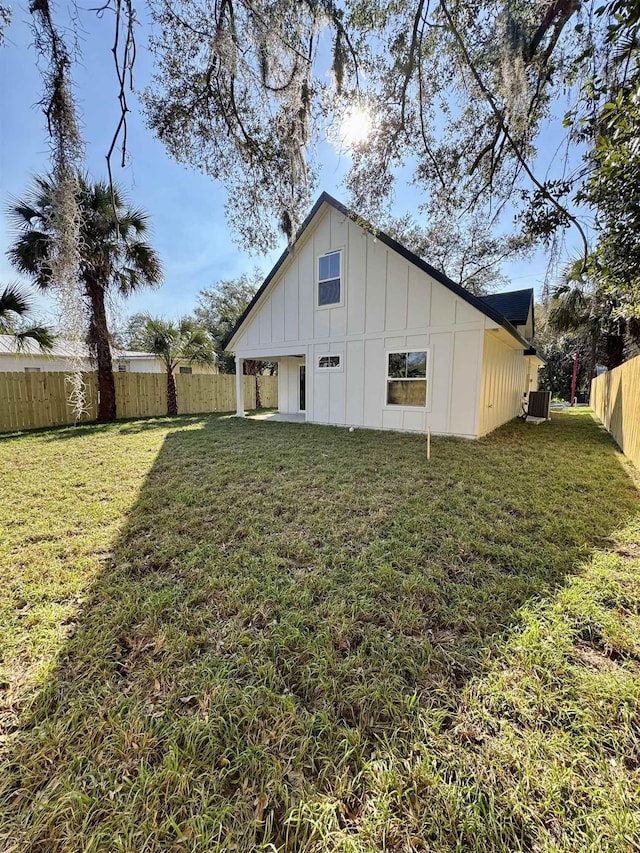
{"x": 330, "y": 279}
{"x": 187, "y": 370}
{"x": 122, "y": 367}
{"x": 407, "y": 378}
{"x": 32, "y": 370}
{"x": 329, "y": 362}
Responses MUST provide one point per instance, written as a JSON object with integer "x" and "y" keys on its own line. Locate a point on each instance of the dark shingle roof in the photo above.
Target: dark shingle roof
{"x": 514, "y": 305}
{"x": 478, "y": 302}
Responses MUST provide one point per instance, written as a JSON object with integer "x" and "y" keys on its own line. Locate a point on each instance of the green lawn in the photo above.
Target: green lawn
{"x": 224, "y": 635}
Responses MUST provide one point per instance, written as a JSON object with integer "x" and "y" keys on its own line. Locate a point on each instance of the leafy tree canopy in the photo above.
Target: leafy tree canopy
{"x": 134, "y": 335}
{"x": 220, "y": 307}
{"x": 465, "y": 249}
{"x": 460, "y": 96}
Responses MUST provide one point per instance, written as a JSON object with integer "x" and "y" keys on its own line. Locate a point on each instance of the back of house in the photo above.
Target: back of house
{"x": 366, "y": 334}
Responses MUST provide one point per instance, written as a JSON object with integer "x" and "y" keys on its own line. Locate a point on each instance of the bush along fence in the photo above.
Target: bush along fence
{"x": 615, "y": 398}
{"x": 30, "y": 400}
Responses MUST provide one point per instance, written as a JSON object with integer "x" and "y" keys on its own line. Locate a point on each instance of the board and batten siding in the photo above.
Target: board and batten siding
{"x": 388, "y": 304}
{"x": 289, "y": 385}
{"x": 505, "y": 376}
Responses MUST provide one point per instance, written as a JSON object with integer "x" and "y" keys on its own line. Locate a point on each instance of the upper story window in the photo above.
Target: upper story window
{"x": 407, "y": 378}
{"x": 330, "y": 279}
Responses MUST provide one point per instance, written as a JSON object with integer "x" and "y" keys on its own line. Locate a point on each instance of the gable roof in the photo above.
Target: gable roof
{"x": 514, "y": 304}
{"x": 477, "y": 302}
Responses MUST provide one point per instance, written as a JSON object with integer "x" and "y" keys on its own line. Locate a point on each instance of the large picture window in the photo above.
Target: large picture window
{"x": 407, "y": 378}
{"x": 330, "y": 279}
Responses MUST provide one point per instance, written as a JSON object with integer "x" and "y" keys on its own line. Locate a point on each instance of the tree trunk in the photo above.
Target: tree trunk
{"x": 632, "y": 338}
{"x": 252, "y": 368}
{"x": 615, "y": 347}
{"x": 172, "y": 394}
{"x": 98, "y": 340}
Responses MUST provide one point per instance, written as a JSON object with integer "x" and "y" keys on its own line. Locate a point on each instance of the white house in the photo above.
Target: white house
{"x": 366, "y": 334}
{"x": 30, "y": 359}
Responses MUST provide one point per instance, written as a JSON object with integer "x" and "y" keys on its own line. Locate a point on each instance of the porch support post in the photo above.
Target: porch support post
{"x": 239, "y": 387}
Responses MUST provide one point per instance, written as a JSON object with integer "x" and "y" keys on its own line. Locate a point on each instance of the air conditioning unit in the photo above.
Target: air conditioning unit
{"x": 539, "y": 402}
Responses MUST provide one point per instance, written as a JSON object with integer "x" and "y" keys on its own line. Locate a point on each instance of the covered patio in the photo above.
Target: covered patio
{"x": 292, "y": 387}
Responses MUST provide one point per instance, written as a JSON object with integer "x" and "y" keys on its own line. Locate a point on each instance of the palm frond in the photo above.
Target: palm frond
{"x": 136, "y": 219}
{"x": 569, "y": 307}
{"x": 30, "y": 255}
{"x": 108, "y": 247}
{"x": 40, "y": 335}
{"x": 139, "y": 256}
{"x": 13, "y": 300}
{"x": 22, "y": 214}
{"x": 196, "y": 345}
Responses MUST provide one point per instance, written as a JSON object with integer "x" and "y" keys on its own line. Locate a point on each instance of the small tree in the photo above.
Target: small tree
{"x": 580, "y": 306}
{"x": 15, "y": 307}
{"x": 176, "y": 342}
{"x": 219, "y": 309}
{"x": 221, "y": 306}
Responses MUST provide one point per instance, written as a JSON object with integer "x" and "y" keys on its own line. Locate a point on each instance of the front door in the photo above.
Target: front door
{"x": 303, "y": 390}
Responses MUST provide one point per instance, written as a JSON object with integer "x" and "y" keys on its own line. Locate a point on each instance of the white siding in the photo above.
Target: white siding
{"x": 18, "y": 363}
{"x": 504, "y": 380}
{"x": 289, "y": 384}
{"x": 61, "y": 364}
{"x": 533, "y": 366}
{"x": 387, "y": 303}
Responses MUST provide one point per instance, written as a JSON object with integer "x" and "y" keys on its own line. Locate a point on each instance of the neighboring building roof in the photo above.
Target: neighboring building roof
{"x": 475, "y": 301}
{"x": 132, "y": 353}
{"x": 512, "y": 304}
{"x": 62, "y": 349}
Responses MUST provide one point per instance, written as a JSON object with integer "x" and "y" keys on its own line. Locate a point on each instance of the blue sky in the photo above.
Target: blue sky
{"x": 188, "y": 226}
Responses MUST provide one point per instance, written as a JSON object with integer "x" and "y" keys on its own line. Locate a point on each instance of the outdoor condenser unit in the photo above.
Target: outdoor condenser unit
{"x": 539, "y": 402}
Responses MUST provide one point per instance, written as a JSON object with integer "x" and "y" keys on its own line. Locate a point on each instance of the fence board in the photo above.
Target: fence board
{"x": 269, "y": 391}
{"x": 615, "y": 398}
{"x": 30, "y": 400}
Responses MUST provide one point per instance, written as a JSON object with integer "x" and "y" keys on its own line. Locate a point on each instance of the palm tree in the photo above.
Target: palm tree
{"x": 15, "y": 306}
{"x": 113, "y": 258}
{"x": 176, "y": 342}
{"x": 579, "y": 306}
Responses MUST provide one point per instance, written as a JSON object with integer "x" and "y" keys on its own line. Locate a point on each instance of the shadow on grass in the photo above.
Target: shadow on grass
{"x": 285, "y": 632}
{"x": 129, "y": 426}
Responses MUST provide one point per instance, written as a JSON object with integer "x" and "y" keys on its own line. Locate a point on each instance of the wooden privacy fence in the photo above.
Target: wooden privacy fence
{"x": 29, "y": 400}
{"x": 615, "y": 398}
